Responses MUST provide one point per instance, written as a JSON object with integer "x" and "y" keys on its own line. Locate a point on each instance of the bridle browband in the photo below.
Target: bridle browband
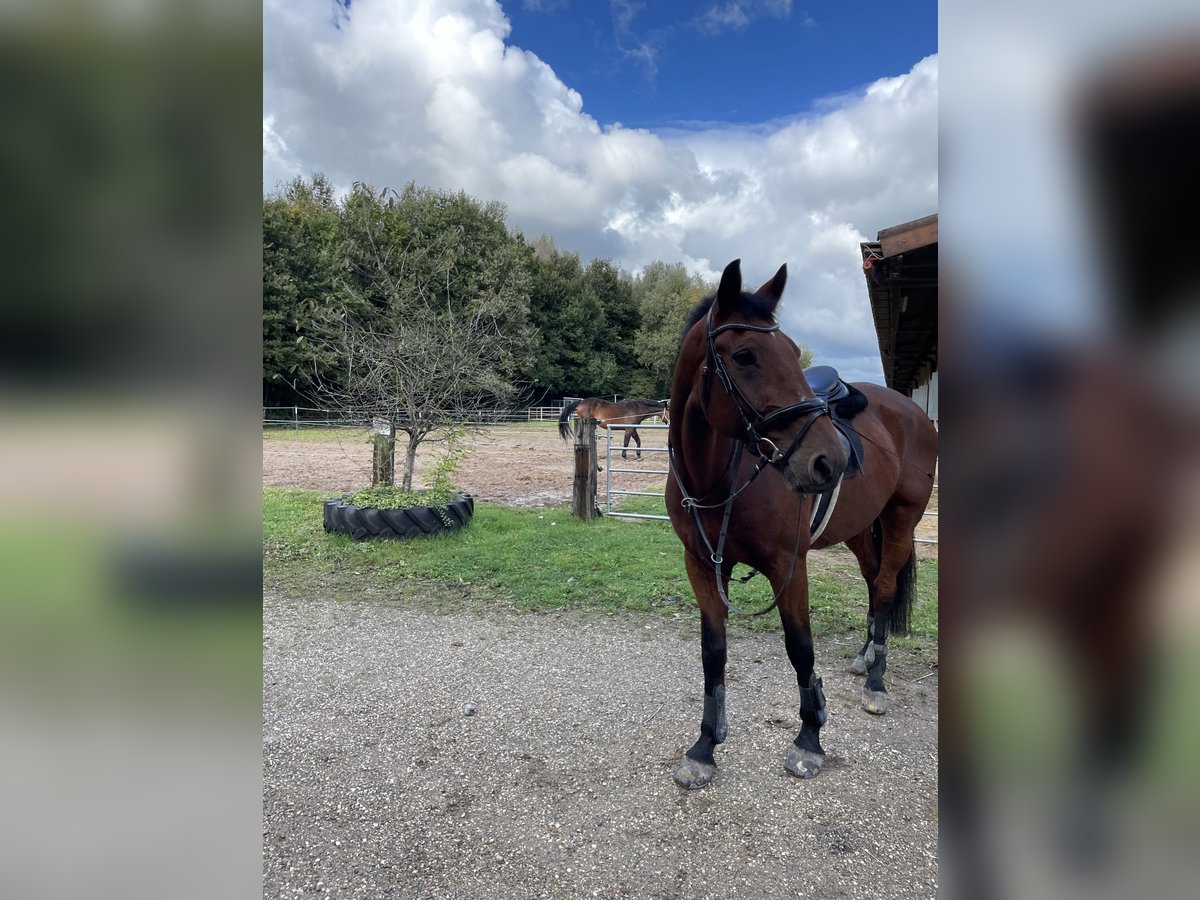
{"x": 754, "y": 440}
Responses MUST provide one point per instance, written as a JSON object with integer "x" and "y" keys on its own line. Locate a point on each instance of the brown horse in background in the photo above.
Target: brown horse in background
{"x": 624, "y": 412}
{"x": 748, "y": 428}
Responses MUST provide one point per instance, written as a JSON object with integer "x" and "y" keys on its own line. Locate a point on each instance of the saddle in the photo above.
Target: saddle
{"x": 845, "y": 402}
{"x": 826, "y": 383}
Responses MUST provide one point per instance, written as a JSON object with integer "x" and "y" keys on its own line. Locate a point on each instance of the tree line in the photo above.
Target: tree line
{"x": 470, "y": 311}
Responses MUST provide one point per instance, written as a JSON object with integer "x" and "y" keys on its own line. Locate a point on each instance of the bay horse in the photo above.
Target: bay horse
{"x": 747, "y": 427}
{"x": 624, "y": 412}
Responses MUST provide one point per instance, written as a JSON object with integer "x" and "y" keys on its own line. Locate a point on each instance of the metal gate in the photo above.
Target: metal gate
{"x": 611, "y": 492}
{"x": 609, "y": 469}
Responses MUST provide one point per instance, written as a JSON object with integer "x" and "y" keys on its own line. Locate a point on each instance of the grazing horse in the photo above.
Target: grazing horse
{"x": 632, "y": 412}
{"x": 763, "y": 470}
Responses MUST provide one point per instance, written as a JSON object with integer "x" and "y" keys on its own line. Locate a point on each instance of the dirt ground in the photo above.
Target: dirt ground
{"x": 558, "y": 783}
{"x": 517, "y": 465}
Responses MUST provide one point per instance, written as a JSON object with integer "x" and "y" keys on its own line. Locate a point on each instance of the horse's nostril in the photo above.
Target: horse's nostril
{"x": 822, "y": 468}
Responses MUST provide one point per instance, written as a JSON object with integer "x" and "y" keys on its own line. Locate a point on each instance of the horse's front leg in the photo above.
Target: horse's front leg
{"x": 638, "y": 439}
{"x": 629, "y": 433}
{"x": 698, "y": 766}
{"x": 806, "y": 756}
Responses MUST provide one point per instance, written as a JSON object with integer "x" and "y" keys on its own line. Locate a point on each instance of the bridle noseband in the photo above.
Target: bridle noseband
{"x": 755, "y": 423}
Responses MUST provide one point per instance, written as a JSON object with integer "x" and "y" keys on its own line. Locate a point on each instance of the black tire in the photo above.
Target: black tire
{"x": 371, "y": 524}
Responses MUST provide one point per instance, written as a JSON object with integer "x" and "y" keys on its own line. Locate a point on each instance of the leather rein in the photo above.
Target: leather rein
{"x": 768, "y": 453}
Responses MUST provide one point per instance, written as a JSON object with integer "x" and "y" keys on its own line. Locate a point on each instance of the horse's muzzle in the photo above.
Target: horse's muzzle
{"x": 766, "y": 448}
{"x": 809, "y": 473}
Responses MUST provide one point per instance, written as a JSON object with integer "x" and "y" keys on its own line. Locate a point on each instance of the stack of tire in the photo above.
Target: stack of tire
{"x": 370, "y": 524}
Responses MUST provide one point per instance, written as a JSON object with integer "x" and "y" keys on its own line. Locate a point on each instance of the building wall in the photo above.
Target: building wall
{"x": 926, "y": 397}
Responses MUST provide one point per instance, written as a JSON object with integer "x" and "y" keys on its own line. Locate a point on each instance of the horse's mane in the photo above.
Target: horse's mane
{"x": 753, "y": 305}
{"x": 658, "y": 403}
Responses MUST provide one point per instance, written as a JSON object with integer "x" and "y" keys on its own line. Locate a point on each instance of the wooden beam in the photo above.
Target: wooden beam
{"x": 909, "y": 236}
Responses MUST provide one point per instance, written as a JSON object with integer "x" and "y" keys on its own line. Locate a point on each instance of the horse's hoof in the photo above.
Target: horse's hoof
{"x": 859, "y": 666}
{"x": 693, "y": 775}
{"x": 875, "y": 702}
{"x": 804, "y": 763}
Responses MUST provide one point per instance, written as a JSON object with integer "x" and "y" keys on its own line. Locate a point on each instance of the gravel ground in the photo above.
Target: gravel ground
{"x": 377, "y": 785}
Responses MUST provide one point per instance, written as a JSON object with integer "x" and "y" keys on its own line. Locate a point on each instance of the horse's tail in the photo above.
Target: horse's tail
{"x": 900, "y": 611}
{"x": 564, "y": 429}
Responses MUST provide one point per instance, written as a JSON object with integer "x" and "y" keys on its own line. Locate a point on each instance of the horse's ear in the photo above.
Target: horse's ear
{"x": 773, "y": 289}
{"x": 729, "y": 294}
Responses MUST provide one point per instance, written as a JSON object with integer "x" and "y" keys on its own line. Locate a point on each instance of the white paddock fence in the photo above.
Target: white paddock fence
{"x": 298, "y": 417}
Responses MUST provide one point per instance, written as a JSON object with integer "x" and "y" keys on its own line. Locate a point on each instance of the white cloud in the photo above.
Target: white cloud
{"x": 276, "y": 154}
{"x": 737, "y": 15}
{"x": 428, "y": 90}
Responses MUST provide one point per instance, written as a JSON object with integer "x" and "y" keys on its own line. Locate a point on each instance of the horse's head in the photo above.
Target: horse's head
{"x": 751, "y": 387}
{"x": 665, "y": 415}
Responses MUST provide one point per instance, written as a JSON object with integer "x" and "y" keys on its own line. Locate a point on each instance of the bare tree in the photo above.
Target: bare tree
{"x": 428, "y": 329}
{"x": 425, "y": 374}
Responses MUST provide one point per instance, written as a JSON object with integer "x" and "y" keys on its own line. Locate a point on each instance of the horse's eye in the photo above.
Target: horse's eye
{"x": 744, "y": 357}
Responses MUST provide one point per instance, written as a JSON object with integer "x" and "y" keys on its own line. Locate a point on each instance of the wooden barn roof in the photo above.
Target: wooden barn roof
{"x": 901, "y": 270}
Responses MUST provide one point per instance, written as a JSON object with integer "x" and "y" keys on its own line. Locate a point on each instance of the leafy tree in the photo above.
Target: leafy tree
{"x": 574, "y": 311}
{"x": 300, "y": 236}
{"x": 665, "y": 293}
{"x": 613, "y": 290}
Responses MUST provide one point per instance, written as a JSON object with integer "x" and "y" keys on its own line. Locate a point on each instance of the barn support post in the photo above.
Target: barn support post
{"x": 383, "y": 458}
{"x": 583, "y": 497}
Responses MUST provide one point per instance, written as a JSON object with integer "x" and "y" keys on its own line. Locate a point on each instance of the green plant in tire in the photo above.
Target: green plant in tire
{"x": 437, "y": 496}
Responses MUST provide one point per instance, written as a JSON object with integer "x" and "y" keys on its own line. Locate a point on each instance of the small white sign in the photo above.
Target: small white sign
{"x": 383, "y": 426}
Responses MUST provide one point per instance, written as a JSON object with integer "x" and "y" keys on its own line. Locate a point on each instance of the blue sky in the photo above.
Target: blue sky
{"x": 693, "y": 133}
{"x": 657, "y": 65}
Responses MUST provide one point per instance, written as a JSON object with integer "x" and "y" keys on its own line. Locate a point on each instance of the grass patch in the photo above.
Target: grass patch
{"x": 544, "y": 559}
{"x": 655, "y": 506}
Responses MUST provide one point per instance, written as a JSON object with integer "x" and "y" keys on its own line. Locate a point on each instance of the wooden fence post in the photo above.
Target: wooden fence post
{"x": 583, "y": 498}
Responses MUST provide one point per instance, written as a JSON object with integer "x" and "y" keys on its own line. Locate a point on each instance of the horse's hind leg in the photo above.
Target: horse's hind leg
{"x": 893, "y": 594}
{"x": 698, "y": 766}
{"x": 865, "y": 550}
{"x": 806, "y": 756}
{"x": 631, "y": 435}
